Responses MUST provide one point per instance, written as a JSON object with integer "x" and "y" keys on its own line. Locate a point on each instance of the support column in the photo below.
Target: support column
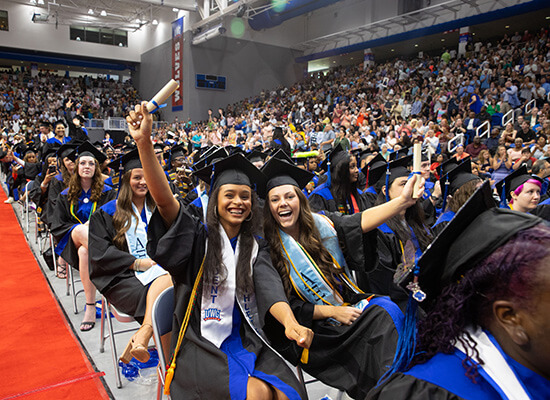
{"x": 368, "y": 59}
{"x": 465, "y": 37}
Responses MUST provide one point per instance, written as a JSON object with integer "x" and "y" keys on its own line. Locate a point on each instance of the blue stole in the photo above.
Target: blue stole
{"x": 418, "y": 252}
{"x": 306, "y": 277}
{"x": 445, "y": 217}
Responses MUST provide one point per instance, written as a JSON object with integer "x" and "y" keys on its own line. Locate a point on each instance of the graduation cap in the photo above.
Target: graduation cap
{"x": 457, "y": 177}
{"x": 235, "y": 169}
{"x": 50, "y": 152}
{"x": 396, "y": 155}
{"x": 30, "y": 149}
{"x": 59, "y": 122}
{"x": 281, "y": 155}
{"x": 397, "y": 169}
{"x": 67, "y": 150}
{"x": 512, "y": 182}
{"x": 445, "y": 167}
{"x": 477, "y": 229}
{"x": 98, "y": 145}
{"x": 178, "y": 150}
{"x": 211, "y": 157}
{"x": 336, "y": 156}
{"x": 280, "y": 172}
{"x": 158, "y": 146}
{"x": 127, "y": 162}
{"x": 88, "y": 149}
{"x": 234, "y": 149}
{"x": 256, "y": 156}
{"x": 374, "y": 169}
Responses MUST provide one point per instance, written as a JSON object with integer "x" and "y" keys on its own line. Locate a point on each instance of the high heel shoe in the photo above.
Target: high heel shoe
{"x": 137, "y": 348}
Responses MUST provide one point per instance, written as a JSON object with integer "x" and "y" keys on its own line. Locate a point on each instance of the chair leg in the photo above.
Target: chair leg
{"x": 102, "y": 326}
{"x": 73, "y": 290}
{"x": 301, "y": 379}
{"x": 113, "y": 346}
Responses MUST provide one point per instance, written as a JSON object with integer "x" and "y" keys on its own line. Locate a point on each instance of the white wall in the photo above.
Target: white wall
{"x": 25, "y": 34}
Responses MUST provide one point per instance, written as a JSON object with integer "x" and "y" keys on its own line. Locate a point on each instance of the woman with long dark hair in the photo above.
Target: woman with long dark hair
{"x": 402, "y": 237}
{"x": 339, "y": 192}
{"x": 355, "y": 331}
{"x": 69, "y": 223}
{"x": 225, "y": 286}
{"x": 119, "y": 265}
{"x": 484, "y": 284}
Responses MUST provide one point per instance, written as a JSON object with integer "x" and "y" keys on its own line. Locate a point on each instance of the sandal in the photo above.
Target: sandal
{"x": 136, "y": 350}
{"x": 61, "y": 271}
{"x": 85, "y": 326}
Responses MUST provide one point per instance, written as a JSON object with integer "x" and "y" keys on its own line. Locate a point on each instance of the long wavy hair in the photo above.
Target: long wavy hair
{"x": 213, "y": 263}
{"x": 470, "y": 300}
{"x": 75, "y": 186}
{"x": 65, "y": 174}
{"x": 342, "y": 187}
{"x": 414, "y": 218}
{"x": 122, "y": 218}
{"x": 310, "y": 239}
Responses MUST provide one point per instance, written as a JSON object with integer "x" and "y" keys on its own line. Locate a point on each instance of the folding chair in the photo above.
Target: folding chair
{"x": 162, "y": 315}
{"x": 71, "y": 287}
{"x": 106, "y": 310}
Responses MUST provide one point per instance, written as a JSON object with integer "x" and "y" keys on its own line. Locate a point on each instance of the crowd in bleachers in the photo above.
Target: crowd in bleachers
{"x": 355, "y": 126}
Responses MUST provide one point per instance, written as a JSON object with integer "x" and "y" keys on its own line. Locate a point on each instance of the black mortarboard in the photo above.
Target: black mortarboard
{"x": 281, "y": 155}
{"x": 98, "y": 145}
{"x": 211, "y": 157}
{"x": 457, "y": 177}
{"x": 30, "y": 149}
{"x": 399, "y": 168}
{"x": 445, "y": 167}
{"x": 513, "y": 181}
{"x": 235, "y": 169}
{"x": 128, "y": 162}
{"x": 476, "y": 230}
{"x": 60, "y": 122}
{"x": 375, "y": 169}
{"x": 88, "y": 149}
{"x": 280, "y": 172}
{"x": 234, "y": 149}
{"x": 256, "y": 156}
{"x": 128, "y": 147}
{"x": 67, "y": 150}
{"x": 178, "y": 151}
{"x": 158, "y": 146}
{"x": 396, "y": 155}
{"x": 50, "y": 152}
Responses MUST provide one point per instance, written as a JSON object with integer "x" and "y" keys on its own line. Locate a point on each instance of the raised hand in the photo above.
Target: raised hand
{"x": 140, "y": 123}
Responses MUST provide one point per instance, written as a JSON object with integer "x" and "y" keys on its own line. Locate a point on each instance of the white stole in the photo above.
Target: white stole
{"x": 495, "y": 365}
{"x": 218, "y": 300}
{"x": 136, "y": 237}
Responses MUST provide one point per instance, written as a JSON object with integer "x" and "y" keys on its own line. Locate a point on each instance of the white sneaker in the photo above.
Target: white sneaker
{"x": 10, "y": 200}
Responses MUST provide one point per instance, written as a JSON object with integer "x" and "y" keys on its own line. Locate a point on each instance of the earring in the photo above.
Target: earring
{"x": 249, "y": 217}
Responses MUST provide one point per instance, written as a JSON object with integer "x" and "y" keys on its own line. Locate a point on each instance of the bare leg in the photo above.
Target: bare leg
{"x": 79, "y": 235}
{"x": 257, "y": 389}
{"x": 140, "y": 341}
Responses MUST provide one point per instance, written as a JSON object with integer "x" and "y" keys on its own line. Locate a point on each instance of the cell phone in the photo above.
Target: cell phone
{"x": 52, "y": 168}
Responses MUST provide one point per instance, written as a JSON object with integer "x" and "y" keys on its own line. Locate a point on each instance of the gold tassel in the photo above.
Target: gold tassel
{"x": 168, "y": 379}
{"x": 305, "y": 356}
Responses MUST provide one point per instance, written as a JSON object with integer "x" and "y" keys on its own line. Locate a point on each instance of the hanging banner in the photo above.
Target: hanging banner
{"x": 177, "y": 63}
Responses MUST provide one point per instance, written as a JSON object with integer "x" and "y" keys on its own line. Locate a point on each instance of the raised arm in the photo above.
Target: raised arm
{"x": 376, "y": 216}
{"x": 140, "y": 124}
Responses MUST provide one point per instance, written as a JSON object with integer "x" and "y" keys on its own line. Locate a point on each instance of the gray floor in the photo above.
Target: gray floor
{"x": 90, "y": 341}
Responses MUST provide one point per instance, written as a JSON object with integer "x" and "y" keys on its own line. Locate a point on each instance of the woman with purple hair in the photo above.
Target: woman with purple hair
{"x": 484, "y": 284}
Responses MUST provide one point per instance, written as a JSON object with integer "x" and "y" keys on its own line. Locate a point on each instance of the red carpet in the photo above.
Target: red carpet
{"x": 40, "y": 356}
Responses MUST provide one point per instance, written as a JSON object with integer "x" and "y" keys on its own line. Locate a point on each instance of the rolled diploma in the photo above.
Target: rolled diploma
{"x": 417, "y": 160}
{"x": 163, "y": 94}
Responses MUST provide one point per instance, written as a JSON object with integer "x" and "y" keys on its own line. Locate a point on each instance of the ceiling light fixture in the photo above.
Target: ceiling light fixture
{"x": 33, "y": 2}
{"x": 155, "y": 22}
{"x": 415, "y": 45}
{"x": 91, "y": 12}
{"x": 41, "y": 2}
{"x": 507, "y": 26}
{"x": 175, "y": 9}
{"x": 103, "y": 13}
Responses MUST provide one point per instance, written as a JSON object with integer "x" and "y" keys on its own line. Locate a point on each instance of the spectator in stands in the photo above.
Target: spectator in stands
{"x": 474, "y": 148}
{"x": 526, "y": 134}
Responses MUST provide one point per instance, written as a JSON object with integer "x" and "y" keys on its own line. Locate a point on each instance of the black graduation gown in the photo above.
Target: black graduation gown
{"x": 55, "y": 187}
{"x": 202, "y": 370}
{"x": 351, "y": 358}
{"x": 62, "y": 222}
{"x": 110, "y": 266}
{"x": 322, "y": 199}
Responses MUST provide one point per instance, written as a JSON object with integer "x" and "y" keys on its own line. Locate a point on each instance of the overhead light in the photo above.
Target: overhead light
{"x": 120, "y": 45}
{"x": 33, "y": 2}
{"x": 416, "y": 45}
{"x": 175, "y": 9}
{"x": 91, "y": 12}
{"x": 351, "y": 58}
{"x": 155, "y": 22}
{"x": 547, "y": 17}
{"x": 473, "y": 34}
{"x": 507, "y": 26}
{"x": 78, "y": 38}
{"x": 392, "y": 49}
{"x": 138, "y": 21}
{"x": 41, "y": 2}
{"x": 442, "y": 40}
{"x": 103, "y": 13}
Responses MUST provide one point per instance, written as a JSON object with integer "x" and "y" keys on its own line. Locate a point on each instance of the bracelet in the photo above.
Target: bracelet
{"x": 137, "y": 265}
